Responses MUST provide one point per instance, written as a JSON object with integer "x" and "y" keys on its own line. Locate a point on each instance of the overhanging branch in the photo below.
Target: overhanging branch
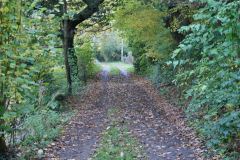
{"x": 92, "y": 7}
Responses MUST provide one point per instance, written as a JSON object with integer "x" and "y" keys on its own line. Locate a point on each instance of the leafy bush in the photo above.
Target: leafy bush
{"x": 204, "y": 67}
{"x": 207, "y": 62}
{"x": 141, "y": 62}
{"x": 148, "y": 38}
{"x": 162, "y": 74}
{"x": 28, "y": 55}
{"x": 42, "y": 126}
{"x": 85, "y": 56}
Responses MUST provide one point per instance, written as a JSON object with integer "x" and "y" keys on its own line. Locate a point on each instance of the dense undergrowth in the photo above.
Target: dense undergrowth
{"x": 204, "y": 68}
{"x": 208, "y": 70}
{"x": 192, "y": 46}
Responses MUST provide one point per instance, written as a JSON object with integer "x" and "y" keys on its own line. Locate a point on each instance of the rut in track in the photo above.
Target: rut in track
{"x": 152, "y": 121}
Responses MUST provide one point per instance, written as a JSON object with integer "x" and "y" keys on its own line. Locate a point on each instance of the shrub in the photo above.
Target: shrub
{"x": 40, "y": 127}
{"x": 207, "y": 62}
{"x": 85, "y": 56}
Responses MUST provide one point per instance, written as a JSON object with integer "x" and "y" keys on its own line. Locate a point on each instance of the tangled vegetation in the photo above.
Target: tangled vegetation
{"x": 48, "y": 52}
{"x": 207, "y": 66}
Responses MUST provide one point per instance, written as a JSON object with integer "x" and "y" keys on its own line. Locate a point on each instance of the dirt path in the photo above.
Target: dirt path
{"x": 123, "y": 70}
{"x": 105, "y": 72}
{"x": 157, "y": 126}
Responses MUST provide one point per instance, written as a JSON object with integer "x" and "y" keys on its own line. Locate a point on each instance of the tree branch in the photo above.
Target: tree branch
{"x": 92, "y": 7}
{"x": 98, "y": 30}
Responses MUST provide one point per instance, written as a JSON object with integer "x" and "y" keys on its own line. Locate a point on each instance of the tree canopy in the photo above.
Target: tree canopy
{"x": 51, "y": 49}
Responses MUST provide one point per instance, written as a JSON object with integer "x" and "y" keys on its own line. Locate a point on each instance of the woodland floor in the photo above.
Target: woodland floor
{"x": 138, "y": 113}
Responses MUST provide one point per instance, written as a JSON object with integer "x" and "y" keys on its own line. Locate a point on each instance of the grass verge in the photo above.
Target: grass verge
{"x": 97, "y": 68}
{"x": 114, "y": 68}
{"x": 114, "y": 71}
{"x": 128, "y": 67}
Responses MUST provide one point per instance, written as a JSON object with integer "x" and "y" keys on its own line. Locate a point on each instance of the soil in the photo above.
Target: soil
{"x": 158, "y": 126}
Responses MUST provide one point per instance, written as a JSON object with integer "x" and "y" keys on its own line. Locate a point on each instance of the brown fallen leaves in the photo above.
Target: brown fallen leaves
{"x": 159, "y": 127}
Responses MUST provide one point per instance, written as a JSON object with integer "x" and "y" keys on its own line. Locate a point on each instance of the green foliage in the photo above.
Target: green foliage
{"x": 114, "y": 71}
{"x": 15, "y": 69}
{"x": 97, "y": 68}
{"x": 30, "y": 69}
{"x": 41, "y": 127}
{"x": 28, "y": 56}
{"x": 147, "y": 37}
{"x": 204, "y": 67}
{"x": 59, "y": 76}
{"x": 162, "y": 74}
{"x": 108, "y": 47}
{"x": 114, "y": 67}
{"x": 207, "y": 63}
{"x": 85, "y": 56}
{"x": 128, "y": 67}
{"x": 179, "y": 16}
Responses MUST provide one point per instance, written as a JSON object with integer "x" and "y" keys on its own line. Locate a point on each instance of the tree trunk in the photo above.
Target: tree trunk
{"x": 65, "y": 51}
{"x": 71, "y": 54}
{"x": 68, "y": 49}
{"x": 69, "y": 27}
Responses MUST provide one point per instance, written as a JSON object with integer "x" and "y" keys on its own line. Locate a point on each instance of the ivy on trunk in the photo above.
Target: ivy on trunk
{"x": 69, "y": 27}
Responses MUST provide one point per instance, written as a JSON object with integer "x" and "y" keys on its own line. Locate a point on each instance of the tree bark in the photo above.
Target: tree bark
{"x": 65, "y": 50}
{"x": 69, "y": 27}
{"x": 71, "y": 54}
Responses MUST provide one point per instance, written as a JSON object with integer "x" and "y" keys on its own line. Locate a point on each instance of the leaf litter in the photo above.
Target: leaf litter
{"x": 158, "y": 126}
